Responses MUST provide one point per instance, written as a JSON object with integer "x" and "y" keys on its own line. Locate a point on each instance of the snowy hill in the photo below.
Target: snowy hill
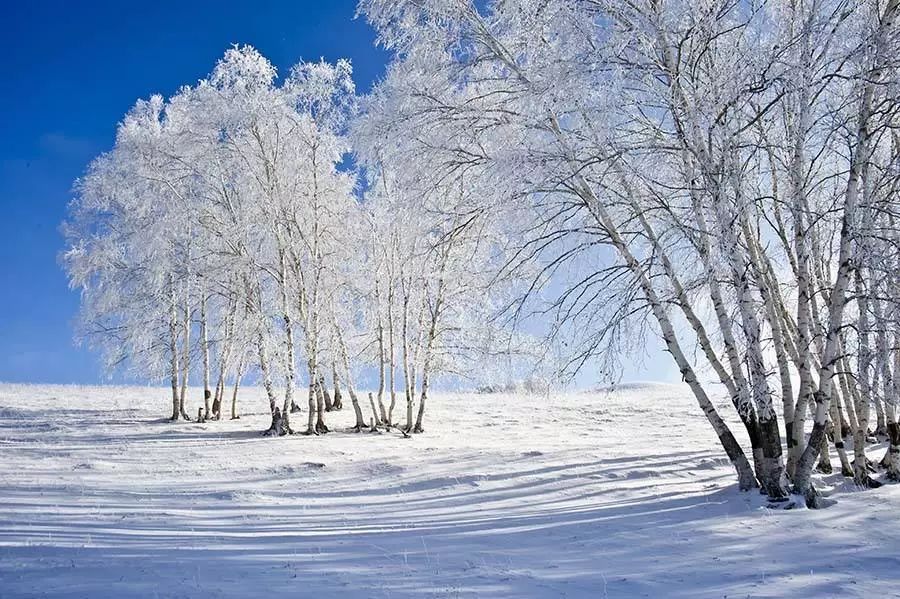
{"x": 501, "y": 497}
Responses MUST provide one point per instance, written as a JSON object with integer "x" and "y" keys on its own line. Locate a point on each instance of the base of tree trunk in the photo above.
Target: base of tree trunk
{"x": 892, "y": 465}
{"x": 321, "y": 428}
{"x": 279, "y": 426}
{"x": 824, "y": 468}
{"x": 815, "y": 500}
{"x": 418, "y": 429}
{"x": 869, "y": 483}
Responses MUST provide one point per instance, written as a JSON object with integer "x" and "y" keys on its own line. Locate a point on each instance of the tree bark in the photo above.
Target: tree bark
{"x": 338, "y": 404}
{"x": 204, "y": 349}
{"x": 388, "y": 421}
{"x": 323, "y": 388}
{"x": 290, "y": 368}
{"x": 173, "y": 350}
{"x": 375, "y": 419}
{"x": 185, "y": 361}
{"x": 237, "y": 383}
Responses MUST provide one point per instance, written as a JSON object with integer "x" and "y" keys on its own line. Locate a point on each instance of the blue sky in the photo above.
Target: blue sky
{"x": 70, "y": 71}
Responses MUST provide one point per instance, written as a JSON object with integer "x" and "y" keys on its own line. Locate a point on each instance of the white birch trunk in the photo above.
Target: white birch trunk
{"x": 185, "y": 359}
{"x": 173, "y": 349}
{"x": 239, "y": 373}
{"x": 204, "y": 349}
{"x": 290, "y": 368}
{"x": 746, "y": 478}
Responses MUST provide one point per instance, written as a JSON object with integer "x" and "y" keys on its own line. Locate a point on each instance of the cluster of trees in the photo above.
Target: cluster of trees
{"x": 720, "y": 174}
{"x": 726, "y": 170}
{"x": 225, "y": 234}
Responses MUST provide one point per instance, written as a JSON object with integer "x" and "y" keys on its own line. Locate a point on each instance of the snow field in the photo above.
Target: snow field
{"x": 621, "y": 494}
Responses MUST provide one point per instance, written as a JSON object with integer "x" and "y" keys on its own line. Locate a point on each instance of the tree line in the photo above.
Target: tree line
{"x": 554, "y": 181}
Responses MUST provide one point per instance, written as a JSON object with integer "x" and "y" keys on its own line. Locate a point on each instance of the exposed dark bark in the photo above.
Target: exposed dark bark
{"x": 418, "y": 426}
{"x": 326, "y": 396}
{"x": 234, "y": 395}
{"x": 338, "y": 404}
{"x": 321, "y": 428}
{"x": 772, "y": 476}
{"x": 892, "y": 456}
{"x": 278, "y": 427}
{"x": 217, "y": 408}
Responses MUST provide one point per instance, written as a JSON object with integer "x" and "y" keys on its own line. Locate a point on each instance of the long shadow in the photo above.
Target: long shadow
{"x": 479, "y": 551}
{"x": 523, "y": 530}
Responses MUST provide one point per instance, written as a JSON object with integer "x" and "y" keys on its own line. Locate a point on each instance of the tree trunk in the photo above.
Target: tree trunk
{"x": 824, "y": 465}
{"x": 225, "y": 360}
{"x": 375, "y": 418}
{"x": 418, "y": 427}
{"x": 311, "y": 399}
{"x": 357, "y": 409}
{"x": 320, "y": 408}
{"x": 739, "y": 397}
{"x": 289, "y": 360}
{"x": 741, "y": 394}
{"x": 771, "y": 471}
{"x": 338, "y": 404}
{"x": 802, "y": 482}
{"x": 185, "y": 363}
{"x": 389, "y": 417}
{"x": 323, "y": 388}
{"x": 880, "y": 419}
{"x": 861, "y": 428}
{"x": 407, "y": 392}
{"x": 237, "y": 383}
{"x": 275, "y": 429}
{"x": 410, "y": 404}
{"x": 746, "y": 477}
{"x": 892, "y": 456}
{"x": 173, "y": 351}
{"x": 838, "y": 434}
{"x": 891, "y": 395}
{"x": 799, "y": 131}
{"x": 345, "y": 363}
{"x": 381, "y": 360}
{"x": 204, "y": 349}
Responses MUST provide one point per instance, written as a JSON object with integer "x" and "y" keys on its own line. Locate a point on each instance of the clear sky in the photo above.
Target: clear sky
{"x": 70, "y": 70}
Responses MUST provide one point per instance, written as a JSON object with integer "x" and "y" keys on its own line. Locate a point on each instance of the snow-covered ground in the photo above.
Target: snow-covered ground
{"x": 619, "y": 494}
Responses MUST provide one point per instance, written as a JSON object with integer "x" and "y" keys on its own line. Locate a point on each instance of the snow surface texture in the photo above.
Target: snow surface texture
{"x": 621, "y": 494}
